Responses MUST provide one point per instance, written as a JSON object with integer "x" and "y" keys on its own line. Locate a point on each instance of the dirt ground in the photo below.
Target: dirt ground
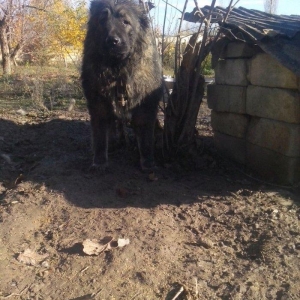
{"x": 211, "y": 233}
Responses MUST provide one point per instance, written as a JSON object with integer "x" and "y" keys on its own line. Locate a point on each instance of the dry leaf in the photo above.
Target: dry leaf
{"x": 94, "y": 247}
{"x": 31, "y": 258}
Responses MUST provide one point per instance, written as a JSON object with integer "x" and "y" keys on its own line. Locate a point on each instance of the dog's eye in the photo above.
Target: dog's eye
{"x": 126, "y": 22}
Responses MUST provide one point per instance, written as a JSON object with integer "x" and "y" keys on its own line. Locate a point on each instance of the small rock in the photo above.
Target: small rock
{"x": 21, "y": 112}
{"x": 205, "y": 242}
{"x": 71, "y": 105}
{"x": 45, "y": 264}
{"x": 14, "y": 283}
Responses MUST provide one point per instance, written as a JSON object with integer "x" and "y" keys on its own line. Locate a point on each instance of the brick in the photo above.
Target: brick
{"x": 240, "y": 50}
{"x": 273, "y": 166}
{"x": 232, "y": 72}
{"x": 267, "y": 71}
{"x": 278, "y": 136}
{"x": 227, "y": 98}
{"x": 229, "y": 123}
{"x": 231, "y": 147}
{"x": 273, "y": 103}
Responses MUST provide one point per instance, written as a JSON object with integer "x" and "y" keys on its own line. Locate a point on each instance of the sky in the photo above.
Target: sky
{"x": 284, "y": 7}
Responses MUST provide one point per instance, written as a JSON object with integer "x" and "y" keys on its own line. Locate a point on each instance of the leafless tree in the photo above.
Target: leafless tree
{"x": 271, "y": 6}
{"x": 12, "y": 24}
{"x": 6, "y": 12}
{"x": 183, "y": 105}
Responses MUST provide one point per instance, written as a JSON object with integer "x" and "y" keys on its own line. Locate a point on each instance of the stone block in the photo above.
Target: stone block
{"x": 265, "y": 70}
{"x": 273, "y": 166}
{"x": 229, "y": 123}
{"x": 232, "y": 72}
{"x": 273, "y": 103}
{"x": 231, "y": 147}
{"x": 277, "y": 136}
{"x": 240, "y": 50}
{"x": 227, "y": 98}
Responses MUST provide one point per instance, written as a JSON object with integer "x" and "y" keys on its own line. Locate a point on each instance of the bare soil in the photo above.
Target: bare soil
{"x": 213, "y": 231}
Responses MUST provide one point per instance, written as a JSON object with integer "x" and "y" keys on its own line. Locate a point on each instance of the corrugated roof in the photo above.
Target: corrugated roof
{"x": 278, "y": 35}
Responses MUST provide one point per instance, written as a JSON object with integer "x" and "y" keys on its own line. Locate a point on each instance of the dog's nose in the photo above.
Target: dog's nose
{"x": 113, "y": 40}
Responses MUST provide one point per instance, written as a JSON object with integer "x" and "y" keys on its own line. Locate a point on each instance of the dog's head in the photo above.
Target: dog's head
{"x": 117, "y": 28}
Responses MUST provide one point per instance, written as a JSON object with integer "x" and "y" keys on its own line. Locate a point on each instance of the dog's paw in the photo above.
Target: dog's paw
{"x": 148, "y": 165}
{"x": 99, "y": 168}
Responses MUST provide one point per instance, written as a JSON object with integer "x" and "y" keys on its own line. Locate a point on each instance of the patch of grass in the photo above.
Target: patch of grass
{"x": 168, "y": 71}
{"x": 47, "y": 87}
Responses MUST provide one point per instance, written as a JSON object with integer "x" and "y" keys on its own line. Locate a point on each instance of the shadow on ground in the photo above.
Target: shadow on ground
{"x": 57, "y": 153}
{"x": 212, "y": 228}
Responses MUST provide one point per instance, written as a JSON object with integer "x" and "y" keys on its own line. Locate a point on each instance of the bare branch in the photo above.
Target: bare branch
{"x": 34, "y": 7}
{"x": 172, "y": 6}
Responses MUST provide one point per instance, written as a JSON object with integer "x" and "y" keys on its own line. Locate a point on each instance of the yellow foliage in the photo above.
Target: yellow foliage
{"x": 68, "y": 25}
{"x": 59, "y": 26}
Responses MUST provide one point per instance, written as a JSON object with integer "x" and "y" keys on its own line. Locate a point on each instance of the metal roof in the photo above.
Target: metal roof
{"x": 277, "y": 35}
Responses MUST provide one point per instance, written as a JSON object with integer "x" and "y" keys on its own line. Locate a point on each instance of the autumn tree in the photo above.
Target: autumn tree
{"x": 12, "y": 22}
{"x": 67, "y": 27}
{"x": 41, "y": 29}
{"x": 271, "y": 6}
{"x": 58, "y": 27}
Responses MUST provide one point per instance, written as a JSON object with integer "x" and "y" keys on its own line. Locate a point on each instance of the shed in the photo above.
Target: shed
{"x": 255, "y": 100}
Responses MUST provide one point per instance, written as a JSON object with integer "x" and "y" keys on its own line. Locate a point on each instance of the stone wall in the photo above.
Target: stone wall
{"x": 255, "y": 104}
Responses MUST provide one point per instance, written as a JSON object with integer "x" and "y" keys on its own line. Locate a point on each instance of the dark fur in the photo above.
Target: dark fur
{"x": 120, "y": 58}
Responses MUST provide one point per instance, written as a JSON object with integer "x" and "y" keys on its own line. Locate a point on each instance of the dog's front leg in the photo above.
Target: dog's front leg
{"x": 143, "y": 121}
{"x": 100, "y": 123}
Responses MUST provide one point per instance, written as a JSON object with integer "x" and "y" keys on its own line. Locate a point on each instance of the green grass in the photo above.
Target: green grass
{"x": 49, "y": 87}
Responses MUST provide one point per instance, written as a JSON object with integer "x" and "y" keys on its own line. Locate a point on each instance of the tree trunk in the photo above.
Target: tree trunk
{"x": 6, "y": 59}
{"x": 182, "y": 110}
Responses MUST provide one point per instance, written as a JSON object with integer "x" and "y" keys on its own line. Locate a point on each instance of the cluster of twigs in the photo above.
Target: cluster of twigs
{"x": 183, "y": 104}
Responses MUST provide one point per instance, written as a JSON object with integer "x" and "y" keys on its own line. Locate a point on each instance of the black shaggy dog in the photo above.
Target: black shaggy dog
{"x": 121, "y": 75}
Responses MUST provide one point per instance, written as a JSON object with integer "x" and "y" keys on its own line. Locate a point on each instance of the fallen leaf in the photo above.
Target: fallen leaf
{"x": 31, "y": 258}
{"x": 94, "y": 247}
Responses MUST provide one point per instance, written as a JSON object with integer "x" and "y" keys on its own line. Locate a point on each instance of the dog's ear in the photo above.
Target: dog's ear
{"x": 99, "y": 5}
{"x": 144, "y": 21}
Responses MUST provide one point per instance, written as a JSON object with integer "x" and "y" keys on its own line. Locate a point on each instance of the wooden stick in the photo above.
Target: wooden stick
{"x": 178, "y": 293}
